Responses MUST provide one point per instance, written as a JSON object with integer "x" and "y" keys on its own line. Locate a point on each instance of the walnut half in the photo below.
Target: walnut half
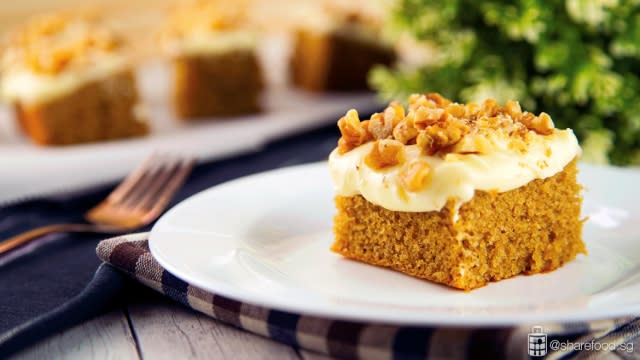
{"x": 385, "y": 153}
{"x": 353, "y": 132}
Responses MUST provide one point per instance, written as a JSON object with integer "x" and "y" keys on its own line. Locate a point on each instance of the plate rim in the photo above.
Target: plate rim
{"x": 513, "y": 318}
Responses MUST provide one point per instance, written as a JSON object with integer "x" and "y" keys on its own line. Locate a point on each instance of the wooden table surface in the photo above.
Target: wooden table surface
{"x": 156, "y": 328}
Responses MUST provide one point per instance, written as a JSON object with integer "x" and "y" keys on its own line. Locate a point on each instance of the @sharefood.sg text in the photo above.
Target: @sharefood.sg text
{"x": 592, "y": 345}
{"x": 539, "y": 345}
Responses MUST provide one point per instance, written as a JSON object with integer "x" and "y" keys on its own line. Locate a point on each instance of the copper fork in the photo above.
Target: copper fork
{"x": 136, "y": 202}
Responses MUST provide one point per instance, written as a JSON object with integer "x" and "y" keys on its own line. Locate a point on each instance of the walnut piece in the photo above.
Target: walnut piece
{"x": 439, "y": 126}
{"x": 438, "y": 99}
{"x": 52, "y": 43}
{"x": 542, "y": 124}
{"x": 440, "y": 136}
{"x": 205, "y": 16}
{"x": 380, "y": 126}
{"x": 456, "y": 110}
{"x": 512, "y": 109}
{"x": 426, "y": 143}
{"x": 489, "y": 108}
{"x": 394, "y": 113}
{"x": 405, "y": 132}
{"x": 385, "y": 153}
{"x": 353, "y": 133}
{"x": 471, "y": 110}
{"x": 472, "y": 144}
{"x": 416, "y": 176}
{"x": 424, "y": 117}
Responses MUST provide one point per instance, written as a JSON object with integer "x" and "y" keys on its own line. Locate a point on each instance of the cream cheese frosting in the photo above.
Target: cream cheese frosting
{"x": 454, "y": 176}
{"x": 24, "y": 85}
{"x": 55, "y": 54}
{"x": 436, "y": 151}
{"x": 208, "y": 27}
{"x": 211, "y": 42}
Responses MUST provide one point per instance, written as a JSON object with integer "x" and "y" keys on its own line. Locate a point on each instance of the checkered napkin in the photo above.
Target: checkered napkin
{"x": 348, "y": 339}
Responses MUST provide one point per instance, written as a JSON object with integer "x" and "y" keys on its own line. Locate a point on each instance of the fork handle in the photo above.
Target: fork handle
{"x": 27, "y": 236}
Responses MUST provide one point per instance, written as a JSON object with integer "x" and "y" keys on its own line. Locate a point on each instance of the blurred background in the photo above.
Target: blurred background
{"x": 142, "y": 18}
{"x": 303, "y": 65}
{"x": 577, "y": 60}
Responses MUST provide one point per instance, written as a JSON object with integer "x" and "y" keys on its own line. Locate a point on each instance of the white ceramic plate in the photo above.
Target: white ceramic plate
{"x": 265, "y": 239}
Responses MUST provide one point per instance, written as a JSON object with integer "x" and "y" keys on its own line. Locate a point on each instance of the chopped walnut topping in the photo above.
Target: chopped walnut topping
{"x": 471, "y": 110}
{"x": 353, "y": 133}
{"x": 456, "y": 110}
{"x": 417, "y": 101}
{"x": 205, "y": 16}
{"x": 416, "y": 175}
{"x": 426, "y": 143}
{"x": 425, "y": 117}
{"x": 440, "y": 136}
{"x": 439, "y": 126}
{"x": 527, "y": 117}
{"x": 472, "y": 144}
{"x": 50, "y": 44}
{"x": 394, "y": 113}
{"x": 414, "y": 99}
{"x": 489, "y": 108}
{"x": 438, "y": 99}
{"x": 380, "y": 126}
{"x": 542, "y": 124}
{"x": 385, "y": 153}
{"x": 405, "y": 132}
{"x": 512, "y": 109}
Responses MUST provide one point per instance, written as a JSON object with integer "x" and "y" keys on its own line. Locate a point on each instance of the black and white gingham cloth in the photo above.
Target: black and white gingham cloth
{"x": 348, "y": 339}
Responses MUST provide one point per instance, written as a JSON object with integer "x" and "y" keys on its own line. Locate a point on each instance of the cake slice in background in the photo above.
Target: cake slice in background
{"x": 335, "y": 47}
{"x": 216, "y": 70}
{"x": 459, "y": 194}
{"x": 70, "y": 81}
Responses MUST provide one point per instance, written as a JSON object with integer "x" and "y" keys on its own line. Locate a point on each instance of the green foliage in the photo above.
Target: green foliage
{"x": 578, "y": 60}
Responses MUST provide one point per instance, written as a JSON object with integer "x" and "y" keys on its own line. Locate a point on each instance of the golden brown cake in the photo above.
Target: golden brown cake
{"x": 70, "y": 82}
{"x": 337, "y": 54}
{"x": 216, "y": 71}
{"x": 459, "y": 194}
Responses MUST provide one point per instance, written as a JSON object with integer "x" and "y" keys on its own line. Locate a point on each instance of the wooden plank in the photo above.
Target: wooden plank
{"x": 165, "y": 330}
{"x": 106, "y": 337}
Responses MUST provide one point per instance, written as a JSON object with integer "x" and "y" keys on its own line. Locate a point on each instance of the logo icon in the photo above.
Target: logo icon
{"x": 537, "y": 342}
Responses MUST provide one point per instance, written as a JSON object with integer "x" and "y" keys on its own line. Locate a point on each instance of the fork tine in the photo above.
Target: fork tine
{"x": 166, "y": 194}
{"x": 165, "y": 174}
{"x": 139, "y": 188}
{"x": 132, "y": 180}
{"x": 143, "y": 186}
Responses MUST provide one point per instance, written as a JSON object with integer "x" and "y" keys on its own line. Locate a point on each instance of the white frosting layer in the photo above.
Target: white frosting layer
{"x": 26, "y": 86}
{"x": 212, "y": 42}
{"x": 456, "y": 176}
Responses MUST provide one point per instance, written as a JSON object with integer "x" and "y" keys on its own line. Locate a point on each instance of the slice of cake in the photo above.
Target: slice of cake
{"x": 336, "y": 50}
{"x": 216, "y": 70}
{"x": 457, "y": 194}
{"x": 70, "y": 82}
